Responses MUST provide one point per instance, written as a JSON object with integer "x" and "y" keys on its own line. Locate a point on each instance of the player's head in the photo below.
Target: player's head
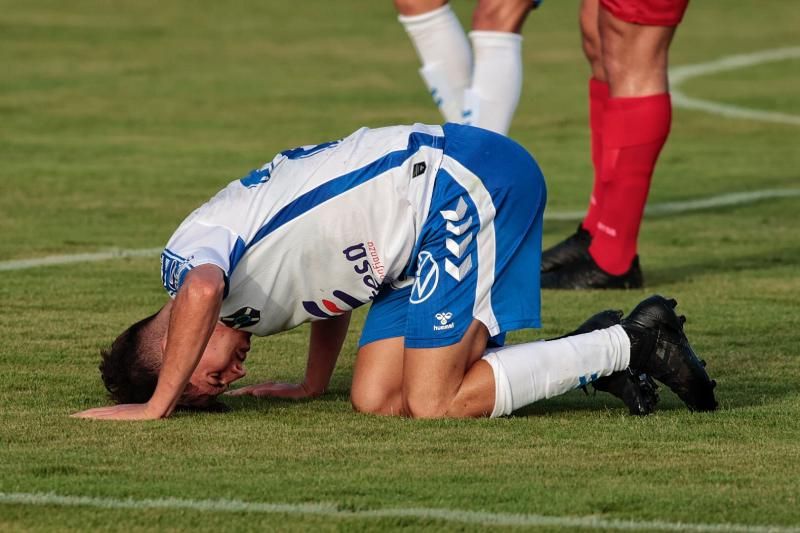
{"x": 222, "y": 363}
{"x": 131, "y": 366}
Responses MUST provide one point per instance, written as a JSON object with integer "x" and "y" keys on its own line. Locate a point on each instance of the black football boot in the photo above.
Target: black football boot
{"x": 573, "y": 248}
{"x": 585, "y": 274}
{"x": 660, "y": 348}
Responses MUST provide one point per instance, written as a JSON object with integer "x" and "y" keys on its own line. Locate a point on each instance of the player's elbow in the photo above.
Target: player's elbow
{"x": 203, "y": 287}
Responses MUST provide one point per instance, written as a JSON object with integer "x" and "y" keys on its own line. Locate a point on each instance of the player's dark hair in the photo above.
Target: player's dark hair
{"x": 129, "y": 369}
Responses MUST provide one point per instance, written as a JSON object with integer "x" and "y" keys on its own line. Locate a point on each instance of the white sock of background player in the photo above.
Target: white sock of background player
{"x": 492, "y": 97}
{"x": 446, "y": 57}
{"x": 525, "y": 373}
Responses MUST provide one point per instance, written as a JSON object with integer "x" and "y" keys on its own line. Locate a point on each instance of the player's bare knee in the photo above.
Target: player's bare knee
{"x": 632, "y": 77}
{"x": 417, "y": 406}
{"x": 417, "y": 7}
{"x": 501, "y": 15}
{"x": 375, "y": 401}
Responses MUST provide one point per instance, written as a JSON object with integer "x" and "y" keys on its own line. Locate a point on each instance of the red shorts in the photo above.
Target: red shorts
{"x": 648, "y": 12}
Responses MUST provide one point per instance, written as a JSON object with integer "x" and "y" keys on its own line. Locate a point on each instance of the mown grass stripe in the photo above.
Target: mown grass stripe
{"x": 662, "y": 209}
{"x": 686, "y": 206}
{"x": 422, "y": 513}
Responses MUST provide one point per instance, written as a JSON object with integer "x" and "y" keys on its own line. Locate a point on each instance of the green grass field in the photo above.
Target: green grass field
{"x": 119, "y": 118}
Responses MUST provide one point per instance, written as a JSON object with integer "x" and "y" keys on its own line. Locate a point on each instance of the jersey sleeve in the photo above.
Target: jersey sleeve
{"x": 195, "y": 244}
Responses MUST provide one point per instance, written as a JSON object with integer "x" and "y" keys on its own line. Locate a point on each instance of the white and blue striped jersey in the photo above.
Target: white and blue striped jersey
{"x": 315, "y": 232}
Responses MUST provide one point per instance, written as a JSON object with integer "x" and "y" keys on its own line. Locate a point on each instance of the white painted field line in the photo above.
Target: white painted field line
{"x": 332, "y": 511}
{"x": 699, "y": 204}
{"x": 667, "y": 208}
{"x": 678, "y": 75}
{"x": 22, "y": 264}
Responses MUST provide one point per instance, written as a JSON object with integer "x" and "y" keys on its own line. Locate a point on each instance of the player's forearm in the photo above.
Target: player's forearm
{"x": 194, "y": 315}
{"x": 327, "y": 338}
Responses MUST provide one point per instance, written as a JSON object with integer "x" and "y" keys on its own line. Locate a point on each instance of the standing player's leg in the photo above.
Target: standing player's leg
{"x": 443, "y": 49}
{"x": 635, "y": 39}
{"x": 636, "y": 125}
{"x": 493, "y": 95}
{"x": 598, "y": 98}
{"x": 576, "y": 246}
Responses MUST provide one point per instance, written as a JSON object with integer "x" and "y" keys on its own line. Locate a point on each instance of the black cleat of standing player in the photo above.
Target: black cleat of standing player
{"x": 586, "y": 274}
{"x": 573, "y": 248}
{"x": 637, "y": 390}
{"x": 569, "y": 265}
{"x": 659, "y": 347}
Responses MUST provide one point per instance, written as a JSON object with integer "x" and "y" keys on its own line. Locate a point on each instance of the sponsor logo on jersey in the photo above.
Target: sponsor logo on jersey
{"x": 444, "y": 321}
{"x": 418, "y": 169}
{"x": 360, "y": 259}
{"x": 243, "y": 318}
{"x": 330, "y": 308}
{"x": 427, "y": 278}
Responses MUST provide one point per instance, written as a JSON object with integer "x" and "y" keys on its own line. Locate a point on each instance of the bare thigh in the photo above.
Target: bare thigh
{"x": 378, "y": 378}
{"x": 449, "y": 381}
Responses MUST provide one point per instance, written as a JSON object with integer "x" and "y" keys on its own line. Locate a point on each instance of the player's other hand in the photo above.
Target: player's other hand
{"x": 125, "y": 411}
{"x": 274, "y": 389}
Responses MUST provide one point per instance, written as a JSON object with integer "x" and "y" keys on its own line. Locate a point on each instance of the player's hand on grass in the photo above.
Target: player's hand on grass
{"x": 125, "y": 411}
{"x": 273, "y": 389}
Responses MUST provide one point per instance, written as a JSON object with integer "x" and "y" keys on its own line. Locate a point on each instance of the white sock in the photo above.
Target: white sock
{"x": 525, "y": 373}
{"x": 446, "y": 57}
{"x": 492, "y": 98}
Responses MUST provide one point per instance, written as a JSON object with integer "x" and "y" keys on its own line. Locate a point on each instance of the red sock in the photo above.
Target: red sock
{"x": 634, "y": 131}
{"x": 598, "y": 96}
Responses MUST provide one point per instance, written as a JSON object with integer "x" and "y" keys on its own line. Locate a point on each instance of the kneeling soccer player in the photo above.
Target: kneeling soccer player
{"x": 440, "y": 227}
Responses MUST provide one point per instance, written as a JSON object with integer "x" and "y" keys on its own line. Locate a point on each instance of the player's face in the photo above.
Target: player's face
{"x": 222, "y": 363}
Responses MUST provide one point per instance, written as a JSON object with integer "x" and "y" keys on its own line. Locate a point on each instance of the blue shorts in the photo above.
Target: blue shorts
{"x": 478, "y": 254}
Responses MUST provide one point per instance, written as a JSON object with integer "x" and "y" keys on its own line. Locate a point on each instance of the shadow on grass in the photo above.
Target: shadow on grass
{"x": 599, "y": 403}
{"x": 681, "y": 271}
{"x": 251, "y": 403}
{"x": 667, "y": 274}
{"x": 731, "y": 396}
